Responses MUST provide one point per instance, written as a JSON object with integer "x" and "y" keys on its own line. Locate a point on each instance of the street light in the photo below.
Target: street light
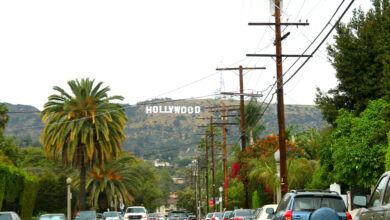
{"x": 69, "y": 196}
{"x": 277, "y": 164}
{"x": 220, "y": 198}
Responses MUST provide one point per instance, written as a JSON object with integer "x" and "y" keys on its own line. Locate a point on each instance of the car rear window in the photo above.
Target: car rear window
{"x": 219, "y": 214}
{"x": 312, "y": 203}
{"x": 178, "y": 214}
{"x": 243, "y": 213}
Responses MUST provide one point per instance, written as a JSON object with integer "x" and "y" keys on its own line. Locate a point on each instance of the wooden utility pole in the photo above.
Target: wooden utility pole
{"x": 207, "y": 173}
{"x": 224, "y": 143}
{"x": 280, "y": 94}
{"x": 279, "y": 83}
{"x": 242, "y": 116}
{"x": 212, "y": 160}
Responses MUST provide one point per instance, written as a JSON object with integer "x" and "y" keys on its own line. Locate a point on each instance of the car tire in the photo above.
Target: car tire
{"x": 324, "y": 213}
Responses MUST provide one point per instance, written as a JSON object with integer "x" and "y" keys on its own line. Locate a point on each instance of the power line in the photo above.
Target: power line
{"x": 323, "y": 40}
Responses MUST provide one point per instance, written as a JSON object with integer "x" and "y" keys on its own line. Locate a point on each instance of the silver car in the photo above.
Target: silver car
{"x": 9, "y": 216}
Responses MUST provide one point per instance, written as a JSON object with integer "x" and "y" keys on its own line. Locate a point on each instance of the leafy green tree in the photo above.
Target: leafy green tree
{"x": 166, "y": 183}
{"x": 361, "y": 57}
{"x": 148, "y": 194}
{"x": 186, "y": 199}
{"x": 84, "y": 128}
{"x": 358, "y": 144}
{"x": 3, "y": 117}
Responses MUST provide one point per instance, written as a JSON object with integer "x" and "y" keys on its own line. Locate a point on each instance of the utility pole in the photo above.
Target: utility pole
{"x": 281, "y": 118}
{"x": 224, "y": 109}
{"x": 242, "y": 116}
{"x": 207, "y": 173}
{"x": 198, "y": 204}
{"x": 224, "y": 143}
{"x": 212, "y": 160}
{"x": 279, "y": 83}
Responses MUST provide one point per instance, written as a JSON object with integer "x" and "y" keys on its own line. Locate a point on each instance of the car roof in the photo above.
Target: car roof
{"x": 52, "y": 214}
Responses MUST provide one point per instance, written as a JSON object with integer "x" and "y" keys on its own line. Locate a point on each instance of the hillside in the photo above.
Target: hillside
{"x": 166, "y": 135}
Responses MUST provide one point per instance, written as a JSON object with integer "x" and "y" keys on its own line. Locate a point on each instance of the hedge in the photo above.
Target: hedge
{"x": 17, "y": 185}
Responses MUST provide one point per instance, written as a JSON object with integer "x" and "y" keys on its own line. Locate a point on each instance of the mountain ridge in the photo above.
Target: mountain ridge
{"x": 167, "y": 135}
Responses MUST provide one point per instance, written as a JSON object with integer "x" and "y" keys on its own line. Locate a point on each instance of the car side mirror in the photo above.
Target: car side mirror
{"x": 270, "y": 211}
{"x": 359, "y": 201}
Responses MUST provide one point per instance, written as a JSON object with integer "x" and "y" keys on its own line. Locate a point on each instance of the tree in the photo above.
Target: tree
{"x": 253, "y": 114}
{"x": 3, "y": 117}
{"x": 186, "y": 199}
{"x": 361, "y": 57}
{"x": 118, "y": 179}
{"x": 84, "y": 128}
{"x": 357, "y": 145}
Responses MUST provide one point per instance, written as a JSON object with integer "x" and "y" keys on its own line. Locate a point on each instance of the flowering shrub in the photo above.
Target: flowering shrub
{"x": 264, "y": 149}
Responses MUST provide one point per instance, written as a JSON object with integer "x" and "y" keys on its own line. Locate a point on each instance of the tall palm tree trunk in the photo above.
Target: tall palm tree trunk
{"x": 82, "y": 200}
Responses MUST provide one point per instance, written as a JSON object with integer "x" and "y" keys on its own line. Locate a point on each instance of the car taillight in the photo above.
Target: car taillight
{"x": 349, "y": 216}
{"x": 212, "y": 218}
{"x": 225, "y": 219}
{"x": 288, "y": 215}
{"x": 238, "y": 219}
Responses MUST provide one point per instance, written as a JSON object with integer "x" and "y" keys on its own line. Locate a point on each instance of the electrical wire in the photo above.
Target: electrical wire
{"x": 315, "y": 50}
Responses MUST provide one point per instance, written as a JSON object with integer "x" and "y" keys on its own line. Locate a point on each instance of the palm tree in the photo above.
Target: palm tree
{"x": 118, "y": 179}
{"x": 84, "y": 128}
{"x": 253, "y": 114}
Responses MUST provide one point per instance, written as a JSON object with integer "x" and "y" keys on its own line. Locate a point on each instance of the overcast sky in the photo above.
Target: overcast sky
{"x": 144, "y": 49}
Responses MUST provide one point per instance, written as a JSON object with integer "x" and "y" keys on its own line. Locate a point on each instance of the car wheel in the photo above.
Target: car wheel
{"x": 324, "y": 213}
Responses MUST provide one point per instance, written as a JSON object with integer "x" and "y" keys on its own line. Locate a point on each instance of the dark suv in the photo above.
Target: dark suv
{"x": 311, "y": 204}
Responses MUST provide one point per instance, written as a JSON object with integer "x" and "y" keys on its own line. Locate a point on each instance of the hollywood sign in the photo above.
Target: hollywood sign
{"x": 172, "y": 109}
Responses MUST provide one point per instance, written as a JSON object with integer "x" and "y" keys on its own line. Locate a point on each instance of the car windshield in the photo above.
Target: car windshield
{"x": 243, "y": 213}
{"x": 312, "y": 203}
{"x": 135, "y": 210}
{"x": 110, "y": 214}
{"x": 51, "y": 217}
{"x": 5, "y": 216}
{"x": 152, "y": 215}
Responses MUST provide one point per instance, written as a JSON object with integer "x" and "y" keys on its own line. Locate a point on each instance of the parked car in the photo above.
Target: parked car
{"x": 217, "y": 216}
{"x": 161, "y": 217}
{"x": 226, "y": 215}
{"x": 9, "y": 216}
{"x": 136, "y": 212}
{"x": 311, "y": 204}
{"x": 209, "y": 215}
{"x": 241, "y": 214}
{"x": 265, "y": 212}
{"x": 377, "y": 206}
{"x": 191, "y": 217}
{"x": 112, "y": 216}
{"x": 87, "y": 215}
{"x": 153, "y": 216}
{"x": 58, "y": 216}
{"x": 177, "y": 215}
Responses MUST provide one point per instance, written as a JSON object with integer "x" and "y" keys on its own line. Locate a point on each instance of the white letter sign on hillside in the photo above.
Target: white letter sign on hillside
{"x": 172, "y": 109}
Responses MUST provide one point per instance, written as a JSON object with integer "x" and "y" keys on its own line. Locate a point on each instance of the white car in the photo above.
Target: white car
{"x": 263, "y": 214}
{"x": 136, "y": 213}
